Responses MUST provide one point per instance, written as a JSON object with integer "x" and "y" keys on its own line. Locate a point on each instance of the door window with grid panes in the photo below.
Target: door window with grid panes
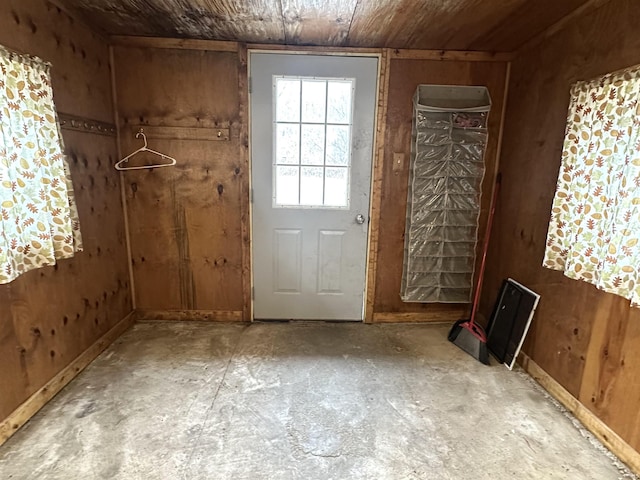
{"x": 312, "y": 141}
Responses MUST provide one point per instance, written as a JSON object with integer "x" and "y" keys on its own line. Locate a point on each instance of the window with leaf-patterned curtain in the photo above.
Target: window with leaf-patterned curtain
{"x": 38, "y": 218}
{"x": 595, "y": 219}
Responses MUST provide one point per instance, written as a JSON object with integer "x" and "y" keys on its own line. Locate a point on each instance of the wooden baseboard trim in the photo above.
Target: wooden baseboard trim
{"x": 625, "y": 452}
{"x": 35, "y": 402}
{"x": 421, "y": 317}
{"x": 190, "y": 315}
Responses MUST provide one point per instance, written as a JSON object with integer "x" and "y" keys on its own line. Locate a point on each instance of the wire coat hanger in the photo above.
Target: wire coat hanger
{"x": 144, "y": 148}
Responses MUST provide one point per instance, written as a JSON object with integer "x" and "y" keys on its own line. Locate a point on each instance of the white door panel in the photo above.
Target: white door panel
{"x": 287, "y": 265}
{"x": 330, "y": 261}
{"x": 309, "y": 257}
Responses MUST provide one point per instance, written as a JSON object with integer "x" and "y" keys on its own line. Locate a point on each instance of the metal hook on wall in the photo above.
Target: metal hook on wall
{"x": 144, "y": 137}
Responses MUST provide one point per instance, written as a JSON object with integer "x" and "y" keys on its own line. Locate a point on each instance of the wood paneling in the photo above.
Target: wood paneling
{"x": 586, "y": 8}
{"x": 197, "y": 212}
{"x": 80, "y": 65}
{"x": 185, "y": 221}
{"x": 527, "y": 21}
{"x": 595, "y": 425}
{"x": 51, "y": 315}
{"x": 587, "y": 340}
{"x": 317, "y": 23}
{"x": 38, "y": 399}
{"x": 498, "y": 25}
{"x": 405, "y": 76}
{"x": 248, "y": 21}
{"x": 431, "y": 24}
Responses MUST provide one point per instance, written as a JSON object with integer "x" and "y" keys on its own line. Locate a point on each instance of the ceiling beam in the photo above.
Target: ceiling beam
{"x": 455, "y": 55}
{"x": 224, "y": 46}
{"x": 175, "y": 43}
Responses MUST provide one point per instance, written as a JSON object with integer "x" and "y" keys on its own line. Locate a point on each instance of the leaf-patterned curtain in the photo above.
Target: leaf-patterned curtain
{"x": 38, "y": 216}
{"x": 595, "y": 219}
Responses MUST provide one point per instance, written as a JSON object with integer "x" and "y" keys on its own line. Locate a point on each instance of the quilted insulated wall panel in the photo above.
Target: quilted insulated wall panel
{"x": 449, "y": 137}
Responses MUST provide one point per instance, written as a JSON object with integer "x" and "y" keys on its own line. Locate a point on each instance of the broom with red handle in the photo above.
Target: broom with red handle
{"x": 467, "y": 334}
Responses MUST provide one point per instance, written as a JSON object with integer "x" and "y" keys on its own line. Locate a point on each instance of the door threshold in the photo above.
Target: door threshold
{"x": 302, "y": 320}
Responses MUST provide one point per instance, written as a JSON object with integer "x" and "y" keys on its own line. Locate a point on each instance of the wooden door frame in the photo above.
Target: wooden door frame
{"x": 376, "y": 162}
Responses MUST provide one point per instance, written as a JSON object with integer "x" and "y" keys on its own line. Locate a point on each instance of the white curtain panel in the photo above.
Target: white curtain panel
{"x": 38, "y": 218}
{"x": 595, "y": 219}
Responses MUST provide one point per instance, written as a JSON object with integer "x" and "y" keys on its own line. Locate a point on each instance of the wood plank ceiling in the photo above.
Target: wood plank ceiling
{"x": 483, "y": 25}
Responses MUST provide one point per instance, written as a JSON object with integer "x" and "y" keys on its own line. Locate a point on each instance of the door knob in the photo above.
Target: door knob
{"x": 359, "y": 219}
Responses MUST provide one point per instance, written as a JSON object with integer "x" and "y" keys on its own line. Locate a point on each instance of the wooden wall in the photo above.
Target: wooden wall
{"x": 51, "y": 315}
{"x": 585, "y": 339}
{"x": 405, "y": 76}
{"x": 189, "y": 224}
{"x": 186, "y": 221}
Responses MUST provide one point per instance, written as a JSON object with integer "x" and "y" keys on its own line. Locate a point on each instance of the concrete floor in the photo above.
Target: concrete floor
{"x": 298, "y": 401}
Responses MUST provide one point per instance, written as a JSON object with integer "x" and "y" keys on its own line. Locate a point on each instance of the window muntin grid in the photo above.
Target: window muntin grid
{"x": 312, "y": 141}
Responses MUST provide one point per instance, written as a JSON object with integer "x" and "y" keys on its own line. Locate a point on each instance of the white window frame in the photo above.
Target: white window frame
{"x": 299, "y": 165}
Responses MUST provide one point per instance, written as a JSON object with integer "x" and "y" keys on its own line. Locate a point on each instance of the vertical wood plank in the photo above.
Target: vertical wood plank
{"x": 376, "y": 184}
{"x": 245, "y": 181}
{"x": 123, "y": 196}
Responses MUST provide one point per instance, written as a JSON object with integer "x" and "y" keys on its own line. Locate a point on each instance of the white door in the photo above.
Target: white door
{"x": 312, "y": 124}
